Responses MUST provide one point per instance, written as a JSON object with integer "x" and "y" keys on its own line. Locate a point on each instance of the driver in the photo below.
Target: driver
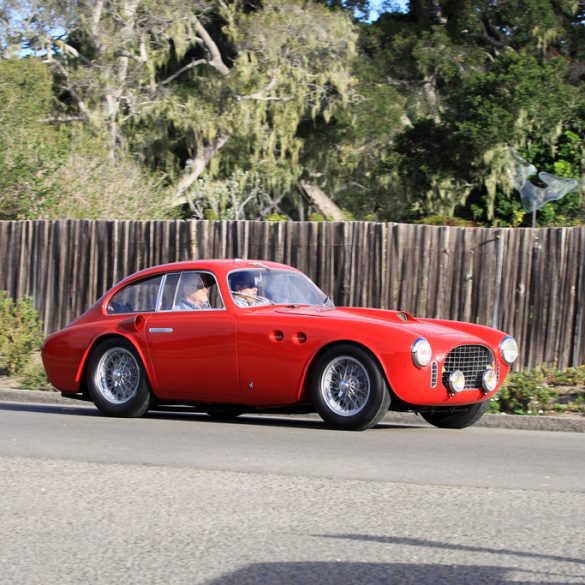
{"x": 245, "y": 291}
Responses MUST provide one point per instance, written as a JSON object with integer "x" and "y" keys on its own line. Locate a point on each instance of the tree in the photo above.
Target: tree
{"x": 49, "y": 170}
{"x": 247, "y": 108}
{"x": 31, "y": 150}
{"x": 478, "y": 76}
{"x": 178, "y": 83}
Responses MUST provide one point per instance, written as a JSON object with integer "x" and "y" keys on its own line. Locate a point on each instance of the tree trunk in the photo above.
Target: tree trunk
{"x": 321, "y": 201}
{"x": 196, "y": 166}
{"x": 432, "y": 97}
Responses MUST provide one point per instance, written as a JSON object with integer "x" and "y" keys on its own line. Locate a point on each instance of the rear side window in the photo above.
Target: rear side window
{"x": 189, "y": 291}
{"x": 138, "y": 297}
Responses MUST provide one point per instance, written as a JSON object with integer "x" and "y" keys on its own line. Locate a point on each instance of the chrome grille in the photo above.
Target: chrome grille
{"x": 472, "y": 360}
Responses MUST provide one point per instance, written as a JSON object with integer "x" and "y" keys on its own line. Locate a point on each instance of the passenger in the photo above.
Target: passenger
{"x": 194, "y": 294}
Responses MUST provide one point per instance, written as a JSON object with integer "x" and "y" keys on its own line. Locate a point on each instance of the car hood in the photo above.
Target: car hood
{"x": 395, "y": 320}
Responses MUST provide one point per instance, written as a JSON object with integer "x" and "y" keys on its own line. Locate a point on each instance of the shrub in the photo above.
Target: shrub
{"x": 20, "y": 333}
{"x": 574, "y": 376}
{"x": 33, "y": 377}
{"x": 525, "y": 393}
{"x": 446, "y": 220}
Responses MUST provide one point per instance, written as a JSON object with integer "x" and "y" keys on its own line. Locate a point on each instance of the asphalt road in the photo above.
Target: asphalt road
{"x": 179, "y": 498}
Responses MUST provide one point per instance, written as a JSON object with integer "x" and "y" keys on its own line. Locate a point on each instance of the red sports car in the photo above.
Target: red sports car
{"x": 235, "y": 336}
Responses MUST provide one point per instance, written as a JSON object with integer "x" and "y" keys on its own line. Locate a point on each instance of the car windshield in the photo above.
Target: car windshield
{"x": 275, "y": 287}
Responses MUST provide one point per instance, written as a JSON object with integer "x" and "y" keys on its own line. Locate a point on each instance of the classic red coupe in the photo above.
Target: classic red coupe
{"x": 235, "y": 336}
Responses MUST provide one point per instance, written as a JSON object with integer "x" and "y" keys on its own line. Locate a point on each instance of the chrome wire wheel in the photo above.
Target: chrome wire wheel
{"x": 117, "y": 375}
{"x": 345, "y": 386}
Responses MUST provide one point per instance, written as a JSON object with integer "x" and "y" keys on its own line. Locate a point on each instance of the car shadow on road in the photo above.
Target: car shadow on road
{"x": 347, "y": 573}
{"x": 265, "y": 420}
{"x": 75, "y": 409}
{"x": 191, "y": 414}
{"x": 421, "y": 542}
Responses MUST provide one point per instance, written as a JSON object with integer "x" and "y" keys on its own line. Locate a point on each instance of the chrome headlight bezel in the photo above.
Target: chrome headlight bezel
{"x": 422, "y": 352}
{"x": 509, "y": 350}
{"x": 489, "y": 381}
{"x": 456, "y": 381}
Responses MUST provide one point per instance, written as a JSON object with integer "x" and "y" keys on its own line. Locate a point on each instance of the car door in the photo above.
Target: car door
{"x": 274, "y": 348}
{"x": 193, "y": 352}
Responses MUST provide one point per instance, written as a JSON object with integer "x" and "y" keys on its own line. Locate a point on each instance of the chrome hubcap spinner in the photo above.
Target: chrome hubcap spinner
{"x": 117, "y": 375}
{"x": 345, "y": 386}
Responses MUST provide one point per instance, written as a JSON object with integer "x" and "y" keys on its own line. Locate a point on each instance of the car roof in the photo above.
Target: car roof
{"x": 219, "y": 266}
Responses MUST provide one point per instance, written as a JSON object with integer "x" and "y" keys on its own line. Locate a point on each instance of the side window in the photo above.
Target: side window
{"x": 138, "y": 297}
{"x": 191, "y": 291}
{"x": 169, "y": 292}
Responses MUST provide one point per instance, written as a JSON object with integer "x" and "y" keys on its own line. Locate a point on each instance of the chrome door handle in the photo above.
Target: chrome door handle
{"x": 160, "y": 330}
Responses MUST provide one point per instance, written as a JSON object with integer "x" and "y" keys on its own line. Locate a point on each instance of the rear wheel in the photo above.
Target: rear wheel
{"x": 116, "y": 379}
{"x": 348, "y": 388}
{"x": 456, "y": 418}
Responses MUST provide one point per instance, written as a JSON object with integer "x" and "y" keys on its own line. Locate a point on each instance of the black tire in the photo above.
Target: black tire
{"x": 116, "y": 379}
{"x": 353, "y": 399}
{"x": 459, "y": 418}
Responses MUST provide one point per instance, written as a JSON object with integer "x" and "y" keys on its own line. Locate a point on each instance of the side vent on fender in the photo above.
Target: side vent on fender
{"x": 434, "y": 374}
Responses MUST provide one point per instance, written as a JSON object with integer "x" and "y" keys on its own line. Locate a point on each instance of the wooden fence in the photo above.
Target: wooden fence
{"x": 528, "y": 282}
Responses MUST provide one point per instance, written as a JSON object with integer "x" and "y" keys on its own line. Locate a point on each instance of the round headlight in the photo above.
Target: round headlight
{"x": 489, "y": 381}
{"x": 456, "y": 381}
{"x": 509, "y": 349}
{"x": 421, "y": 352}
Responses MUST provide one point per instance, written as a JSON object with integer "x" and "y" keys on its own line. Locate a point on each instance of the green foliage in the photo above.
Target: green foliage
{"x": 445, "y": 220}
{"x": 524, "y": 393}
{"x": 570, "y": 377}
{"x": 33, "y": 377}
{"x": 479, "y": 76}
{"x": 543, "y": 391}
{"x": 90, "y": 186}
{"x": 508, "y": 210}
{"x": 145, "y": 106}
{"x": 20, "y": 333}
{"x": 231, "y": 198}
{"x": 276, "y": 217}
{"x": 31, "y": 149}
{"x": 513, "y": 101}
{"x": 566, "y": 158}
{"x": 51, "y": 171}
{"x": 294, "y": 65}
{"x": 353, "y": 151}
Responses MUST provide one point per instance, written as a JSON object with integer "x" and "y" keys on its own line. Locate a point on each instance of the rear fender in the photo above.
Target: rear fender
{"x": 141, "y": 351}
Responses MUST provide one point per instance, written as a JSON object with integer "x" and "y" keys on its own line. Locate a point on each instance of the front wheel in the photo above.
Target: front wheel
{"x": 348, "y": 388}
{"x": 116, "y": 380}
{"x": 456, "y": 419}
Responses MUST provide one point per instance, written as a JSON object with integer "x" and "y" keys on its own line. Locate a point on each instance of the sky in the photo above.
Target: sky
{"x": 377, "y": 6}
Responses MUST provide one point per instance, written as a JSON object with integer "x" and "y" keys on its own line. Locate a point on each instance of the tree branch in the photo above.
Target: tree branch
{"x": 55, "y": 63}
{"x": 196, "y": 166}
{"x": 216, "y": 61}
{"x": 95, "y": 22}
{"x": 321, "y": 201}
{"x": 183, "y": 69}
{"x": 486, "y": 36}
{"x": 67, "y": 48}
{"x": 260, "y": 97}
